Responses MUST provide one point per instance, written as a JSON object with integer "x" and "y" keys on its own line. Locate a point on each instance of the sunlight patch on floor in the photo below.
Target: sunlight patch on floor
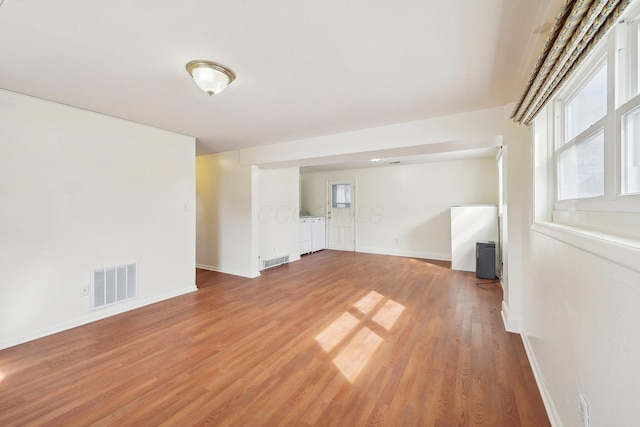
{"x": 362, "y": 340}
{"x": 336, "y": 331}
{"x": 1, "y": 376}
{"x": 354, "y": 357}
{"x": 387, "y": 315}
{"x": 368, "y": 302}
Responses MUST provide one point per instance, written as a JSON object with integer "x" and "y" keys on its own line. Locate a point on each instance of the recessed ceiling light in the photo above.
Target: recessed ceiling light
{"x": 375, "y": 160}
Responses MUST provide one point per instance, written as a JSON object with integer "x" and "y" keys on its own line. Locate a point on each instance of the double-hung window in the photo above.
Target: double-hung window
{"x": 581, "y": 139}
{"x": 631, "y": 152}
{"x": 628, "y": 113}
{"x": 590, "y": 137}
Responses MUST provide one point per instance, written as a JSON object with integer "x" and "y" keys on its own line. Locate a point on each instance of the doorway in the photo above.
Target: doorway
{"x": 341, "y": 214}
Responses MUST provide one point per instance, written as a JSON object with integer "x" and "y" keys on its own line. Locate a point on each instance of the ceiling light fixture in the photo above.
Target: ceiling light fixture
{"x": 212, "y": 78}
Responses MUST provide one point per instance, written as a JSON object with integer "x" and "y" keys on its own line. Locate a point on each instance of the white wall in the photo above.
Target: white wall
{"x": 580, "y": 311}
{"x": 469, "y": 130}
{"x": 405, "y": 210}
{"x": 582, "y": 324}
{"x": 278, "y": 213}
{"x": 81, "y": 191}
{"x": 227, "y": 221}
{"x": 471, "y": 224}
{"x": 517, "y": 217}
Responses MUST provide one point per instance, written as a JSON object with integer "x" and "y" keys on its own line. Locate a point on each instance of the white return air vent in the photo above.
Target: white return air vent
{"x": 268, "y": 263}
{"x": 113, "y": 285}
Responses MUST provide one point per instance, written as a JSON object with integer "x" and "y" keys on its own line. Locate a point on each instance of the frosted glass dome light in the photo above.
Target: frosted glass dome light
{"x": 212, "y": 78}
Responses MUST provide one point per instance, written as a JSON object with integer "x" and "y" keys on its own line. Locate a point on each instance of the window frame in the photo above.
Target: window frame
{"x": 631, "y": 105}
{"x": 347, "y": 195}
{"x": 608, "y": 227}
{"x": 571, "y": 92}
{"x": 620, "y": 51}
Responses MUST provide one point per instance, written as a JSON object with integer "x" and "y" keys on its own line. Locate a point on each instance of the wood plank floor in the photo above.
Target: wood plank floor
{"x": 336, "y": 339}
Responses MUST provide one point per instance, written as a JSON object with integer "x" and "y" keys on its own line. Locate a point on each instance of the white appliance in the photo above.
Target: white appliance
{"x": 312, "y": 234}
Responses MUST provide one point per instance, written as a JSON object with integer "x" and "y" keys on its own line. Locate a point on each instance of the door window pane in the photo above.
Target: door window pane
{"x": 588, "y": 105}
{"x": 341, "y": 195}
{"x": 581, "y": 169}
{"x": 631, "y": 152}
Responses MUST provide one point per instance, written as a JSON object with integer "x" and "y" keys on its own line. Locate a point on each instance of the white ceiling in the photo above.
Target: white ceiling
{"x": 305, "y": 68}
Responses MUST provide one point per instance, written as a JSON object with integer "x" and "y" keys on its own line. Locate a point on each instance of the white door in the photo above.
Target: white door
{"x": 341, "y": 210}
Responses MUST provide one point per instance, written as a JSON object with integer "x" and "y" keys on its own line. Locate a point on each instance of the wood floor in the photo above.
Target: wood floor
{"x": 338, "y": 338}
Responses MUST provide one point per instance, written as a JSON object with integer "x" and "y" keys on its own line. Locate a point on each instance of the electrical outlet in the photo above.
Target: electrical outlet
{"x": 584, "y": 410}
{"x": 84, "y": 291}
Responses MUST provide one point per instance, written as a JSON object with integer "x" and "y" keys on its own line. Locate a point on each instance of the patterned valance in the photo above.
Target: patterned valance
{"x": 580, "y": 25}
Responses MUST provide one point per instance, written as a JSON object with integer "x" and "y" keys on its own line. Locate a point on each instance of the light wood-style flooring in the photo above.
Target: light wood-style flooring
{"x": 336, "y": 339}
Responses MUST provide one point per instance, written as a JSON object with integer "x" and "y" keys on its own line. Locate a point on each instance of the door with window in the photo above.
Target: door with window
{"x": 341, "y": 214}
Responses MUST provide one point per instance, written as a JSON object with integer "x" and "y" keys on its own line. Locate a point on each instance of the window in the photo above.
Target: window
{"x": 588, "y": 137}
{"x": 341, "y": 195}
{"x": 631, "y": 152}
{"x": 588, "y": 105}
{"x": 580, "y": 153}
{"x": 581, "y": 169}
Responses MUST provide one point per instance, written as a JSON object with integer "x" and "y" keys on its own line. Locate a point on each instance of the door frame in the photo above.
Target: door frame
{"x": 328, "y": 187}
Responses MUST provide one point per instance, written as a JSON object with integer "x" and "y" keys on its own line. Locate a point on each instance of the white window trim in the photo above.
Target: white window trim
{"x": 573, "y": 86}
{"x": 620, "y": 112}
{"x": 620, "y": 249}
{"x": 613, "y": 199}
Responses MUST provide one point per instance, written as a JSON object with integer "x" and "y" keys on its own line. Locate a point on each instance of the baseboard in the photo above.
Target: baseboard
{"x": 511, "y": 323}
{"x": 404, "y": 253}
{"x": 544, "y": 392}
{"x": 226, "y": 271}
{"x": 95, "y": 316}
{"x": 208, "y": 267}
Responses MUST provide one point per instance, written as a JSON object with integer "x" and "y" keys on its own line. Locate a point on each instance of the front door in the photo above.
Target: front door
{"x": 341, "y": 214}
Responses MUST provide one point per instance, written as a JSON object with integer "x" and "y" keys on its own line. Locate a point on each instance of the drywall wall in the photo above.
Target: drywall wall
{"x": 580, "y": 316}
{"x": 81, "y": 191}
{"x": 517, "y": 218}
{"x": 227, "y": 197}
{"x": 405, "y": 209}
{"x": 473, "y": 129}
{"x": 278, "y": 214}
{"x": 470, "y": 225}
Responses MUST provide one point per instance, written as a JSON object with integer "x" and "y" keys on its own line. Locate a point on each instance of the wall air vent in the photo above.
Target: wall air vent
{"x": 268, "y": 263}
{"x": 113, "y": 285}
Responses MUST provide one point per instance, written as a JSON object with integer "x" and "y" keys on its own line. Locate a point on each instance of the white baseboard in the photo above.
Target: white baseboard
{"x": 226, "y": 271}
{"x": 404, "y": 253}
{"x": 208, "y": 267}
{"x": 544, "y": 392}
{"x": 95, "y": 316}
{"x": 511, "y": 323}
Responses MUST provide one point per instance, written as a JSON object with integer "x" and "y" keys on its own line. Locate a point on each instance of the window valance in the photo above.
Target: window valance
{"x": 580, "y": 25}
